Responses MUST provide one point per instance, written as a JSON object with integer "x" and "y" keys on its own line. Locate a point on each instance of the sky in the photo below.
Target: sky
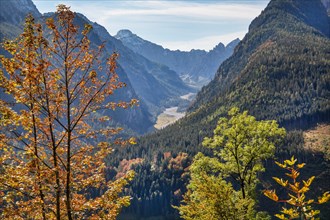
{"x": 174, "y": 24}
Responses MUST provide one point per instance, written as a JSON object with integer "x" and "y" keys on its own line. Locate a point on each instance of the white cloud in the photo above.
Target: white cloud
{"x": 206, "y": 43}
{"x": 170, "y": 23}
{"x": 190, "y": 10}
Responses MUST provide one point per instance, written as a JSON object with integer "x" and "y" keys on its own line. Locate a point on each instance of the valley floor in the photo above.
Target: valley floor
{"x": 169, "y": 116}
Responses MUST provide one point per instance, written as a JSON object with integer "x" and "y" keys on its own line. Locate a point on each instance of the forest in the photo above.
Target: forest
{"x": 253, "y": 145}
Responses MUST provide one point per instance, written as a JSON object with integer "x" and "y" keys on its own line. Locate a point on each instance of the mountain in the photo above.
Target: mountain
{"x": 204, "y": 72}
{"x": 12, "y": 16}
{"x": 155, "y": 84}
{"x": 137, "y": 119}
{"x": 280, "y": 71}
{"x": 196, "y": 67}
{"x": 11, "y": 13}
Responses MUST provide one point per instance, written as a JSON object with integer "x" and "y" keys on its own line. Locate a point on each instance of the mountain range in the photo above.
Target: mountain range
{"x": 156, "y": 85}
{"x": 279, "y": 71}
{"x": 196, "y": 67}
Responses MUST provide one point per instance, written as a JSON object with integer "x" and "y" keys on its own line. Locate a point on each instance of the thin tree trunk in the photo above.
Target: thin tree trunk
{"x": 53, "y": 142}
{"x": 68, "y": 159}
{"x": 35, "y": 137}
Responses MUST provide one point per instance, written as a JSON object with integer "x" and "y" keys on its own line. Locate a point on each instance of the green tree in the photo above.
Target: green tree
{"x": 52, "y": 163}
{"x": 240, "y": 144}
{"x": 300, "y": 205}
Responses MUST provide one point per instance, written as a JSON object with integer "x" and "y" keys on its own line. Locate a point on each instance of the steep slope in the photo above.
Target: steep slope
{"x": 196, "y": 67}
{"x": 156, "y": 84}
{"x": 12, "y": 16}
{"x": 137, "y": 119}
{"x": 280, "y": 71}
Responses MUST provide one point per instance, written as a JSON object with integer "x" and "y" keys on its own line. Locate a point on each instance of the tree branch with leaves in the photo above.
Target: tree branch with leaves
{"x": 52, "y": 158}
{"x": 240, "y": 144}
{"x": 301, "y": 206}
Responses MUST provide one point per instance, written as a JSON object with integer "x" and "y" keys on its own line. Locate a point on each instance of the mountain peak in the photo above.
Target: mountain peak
{"x": 130, "y": 38}
{"x": 124, "y": 33}
{"x": 310, "y": 12}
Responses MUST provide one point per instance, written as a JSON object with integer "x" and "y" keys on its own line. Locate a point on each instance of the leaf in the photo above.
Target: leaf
{"x": 309, "y": 181}
{"x": 280, "y": 216}
{"x": 325, "y": 198}
{"x": 281, "y": 182}
{"x": 301, "y": 165}
{"x": 271, "y": 194}
{"x": 132, "y": 141}
{"x": 290, "y": 162}
{"x": 280, "y": 165}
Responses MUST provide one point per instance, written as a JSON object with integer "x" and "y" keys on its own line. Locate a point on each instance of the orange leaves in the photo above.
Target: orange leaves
{"x": 301, "y": 207}
{"x": 299, "y": 166}
{"x": 294, "y": 174}
{"x": 324, "y": 198}
{"x": 58, "y": 84}
{"x": 271, "y": 194}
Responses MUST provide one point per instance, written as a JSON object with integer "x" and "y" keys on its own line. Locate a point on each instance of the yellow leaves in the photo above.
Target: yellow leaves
{"x": 134, "y": 102}
{"x": 301, "y": 165}
{"x": 132, "y": 141}
{"x": 290, "y": 162}
{"x": 294, "y": 174}
{"x": 104, "y": 118}
{"x": 92, "y": 74}
{"x": 271, "y": 194}
{"x": 280, "y": 216}
{"x": 301, "y": 206}
{"x": 280, "y": 165}
{"x": 324, "y": 198}
{"x": 42, "y": 130}
{"x": 281, "y": 181}
{"x": 309, "y": 181}
{"x": 303, "y": 189}
{"x": 294, "y": 188}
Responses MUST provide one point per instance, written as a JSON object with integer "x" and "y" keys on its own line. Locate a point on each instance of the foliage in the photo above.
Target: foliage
{"x": 301, "y": 206}
{"x": 52, "y": 159}
{"x": 239, "y": 145}
{"x": 279, "y": 71}
{"x": 209, "y": 196}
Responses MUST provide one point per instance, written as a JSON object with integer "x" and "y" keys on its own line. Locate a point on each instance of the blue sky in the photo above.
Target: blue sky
{"x": 174, "y": 24}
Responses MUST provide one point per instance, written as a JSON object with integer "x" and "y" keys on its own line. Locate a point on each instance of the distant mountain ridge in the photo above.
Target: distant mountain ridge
{"x": 279, "y": 71}
{"x": 196, "y": 67}
{"x": 153, "y": 84}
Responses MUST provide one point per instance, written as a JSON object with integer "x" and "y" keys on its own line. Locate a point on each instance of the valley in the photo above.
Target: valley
{"x": 167, "y": 117}
{"x": 172, "y": 114}
{"x": 279, "y": 72}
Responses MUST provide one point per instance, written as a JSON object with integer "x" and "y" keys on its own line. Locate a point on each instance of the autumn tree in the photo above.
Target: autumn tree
{"x": 298, "y": 206}
{"x": 224, "y": 184}
{"x": 52, "y": 158}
